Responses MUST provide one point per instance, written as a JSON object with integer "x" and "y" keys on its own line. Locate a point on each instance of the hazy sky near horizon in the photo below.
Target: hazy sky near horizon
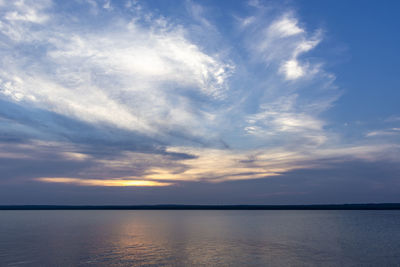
{"x": 199, "y": 102}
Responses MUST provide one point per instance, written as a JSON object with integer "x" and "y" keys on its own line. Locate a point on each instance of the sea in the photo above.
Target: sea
{"x": 200, "y": 238}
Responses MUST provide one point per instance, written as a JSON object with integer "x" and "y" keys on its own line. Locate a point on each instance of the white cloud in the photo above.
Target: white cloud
{"x": 131, "y": 76}
{"x": 107, "y": 5}
{"x": 281, "y": 44}
{"x": 305, "y": 46}
{"x": 292, "y": 69}
{"x": 147, "y": 75}
{"x": 296, "y": 90}
{"x": 284, "y": 27}
{"x": 27, "y": 11}
{"x": 386, "y": 132}
{"x": 247, "y": 21}
{"x": 303, "y": 126}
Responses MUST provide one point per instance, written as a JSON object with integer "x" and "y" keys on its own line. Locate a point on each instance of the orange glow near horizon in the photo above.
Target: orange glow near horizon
{"x": 211, "y": 165}
{"x": 100, "y": 182}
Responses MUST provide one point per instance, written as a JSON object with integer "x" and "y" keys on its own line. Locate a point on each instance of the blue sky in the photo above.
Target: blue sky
{"x": 199, "y": 102}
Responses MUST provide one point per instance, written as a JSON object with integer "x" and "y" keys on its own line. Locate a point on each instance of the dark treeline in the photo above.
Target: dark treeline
{"x": 382, "y": 206}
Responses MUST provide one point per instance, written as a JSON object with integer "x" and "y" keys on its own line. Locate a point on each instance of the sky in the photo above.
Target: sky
{"x": 199, "y": 102}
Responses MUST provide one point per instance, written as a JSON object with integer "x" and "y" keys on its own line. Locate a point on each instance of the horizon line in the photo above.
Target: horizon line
{"x": 350, "y": 206}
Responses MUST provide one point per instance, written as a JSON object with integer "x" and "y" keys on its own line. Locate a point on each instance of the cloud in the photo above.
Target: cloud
{"x": 144, "y": 75}
{"x": 293, "y": 91}
{"x": 387, "y": 132}
{"x": 393, "y": 119}
{"x": 282, "y": 42}
{"x": 18, "y": 17}
{"x": 292, "y": 69}
{"x": 284, "y": 27}
{"x": 27, "y": 11}
{"x": 132, "y": 76}
{"x": 215, "y": 165}
{"x": 121, "y": 95}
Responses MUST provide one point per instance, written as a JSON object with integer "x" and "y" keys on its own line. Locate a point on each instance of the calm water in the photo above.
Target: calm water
{"x": 199, "y": 238}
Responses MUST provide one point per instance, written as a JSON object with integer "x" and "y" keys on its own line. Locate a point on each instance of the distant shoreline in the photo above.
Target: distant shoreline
{"x": 381, "y": 206}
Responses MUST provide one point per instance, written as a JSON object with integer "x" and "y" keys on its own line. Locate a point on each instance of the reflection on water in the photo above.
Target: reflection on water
{"x": 199, "y": 238}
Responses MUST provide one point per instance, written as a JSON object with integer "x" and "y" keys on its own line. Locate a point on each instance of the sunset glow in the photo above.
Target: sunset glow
{"x": 102, "y": 182}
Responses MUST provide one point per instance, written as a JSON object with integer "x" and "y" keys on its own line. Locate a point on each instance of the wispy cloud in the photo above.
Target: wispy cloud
{"x": 386, "y": 132}
{"x": 215, "y": 165}
{"x": 281, "y": 42}
{"x": 294, "y": 90}
{"x": 133, "y": 76}
{"x": 142, "y": 101}
{"x": 284, "y": 27}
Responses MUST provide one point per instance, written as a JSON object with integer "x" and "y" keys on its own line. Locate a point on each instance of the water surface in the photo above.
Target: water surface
{"x": 199, "y": 238}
